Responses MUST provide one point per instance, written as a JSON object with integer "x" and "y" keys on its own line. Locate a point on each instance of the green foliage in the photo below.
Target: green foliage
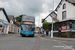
{"x": 46, "y": 25}
{"x": 39, "y": 28}
{"x": 18, "y": 19}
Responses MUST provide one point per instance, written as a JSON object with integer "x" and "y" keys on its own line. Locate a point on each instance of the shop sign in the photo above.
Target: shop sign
{"x": 64, "y": 27}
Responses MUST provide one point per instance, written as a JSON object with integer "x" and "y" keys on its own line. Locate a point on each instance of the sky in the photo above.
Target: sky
{"x": 37, "y": 8}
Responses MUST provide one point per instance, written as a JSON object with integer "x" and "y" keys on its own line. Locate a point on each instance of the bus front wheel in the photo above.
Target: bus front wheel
{"x": 22, "y": 35}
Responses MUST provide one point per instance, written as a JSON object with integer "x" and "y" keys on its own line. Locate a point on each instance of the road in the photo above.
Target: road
{"x": 16, "y": 42}
{"x": 72, "y": 44}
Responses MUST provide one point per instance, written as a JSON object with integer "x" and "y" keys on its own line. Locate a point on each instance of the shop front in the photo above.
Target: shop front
{"x": 67, "y": 28}
{"x": 3, "y": 28}
{"x": 65, "y": 25}
{"x": 11, "y": 28}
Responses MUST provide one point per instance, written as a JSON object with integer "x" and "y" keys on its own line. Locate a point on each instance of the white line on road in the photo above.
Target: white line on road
{"x": 55, "y": 40}
{"x": 66, "y": 47}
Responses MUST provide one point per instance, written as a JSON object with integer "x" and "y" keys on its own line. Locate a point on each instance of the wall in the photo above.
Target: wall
{"x": 2, "y": 16}
{"x": 11, "y": 28}
{"x": 7, "y": 29}
{"x": 74, "y": 12}
{"x": 70, "y": 10}
{"x": 16, "y": 29}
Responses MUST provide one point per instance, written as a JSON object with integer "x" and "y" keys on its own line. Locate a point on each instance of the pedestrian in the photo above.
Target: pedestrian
{"x": 47, "y": 32}
{"x": 59, "y": 32}
{"x": 44, "y": 32}
{"x": 0, "y": 32}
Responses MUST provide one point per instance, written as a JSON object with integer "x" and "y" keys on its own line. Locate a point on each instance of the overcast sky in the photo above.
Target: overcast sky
{"x": 38, "y": 8}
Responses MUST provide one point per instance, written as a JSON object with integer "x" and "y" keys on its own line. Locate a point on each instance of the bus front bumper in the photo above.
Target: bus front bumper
{"x": 26, "y": 34}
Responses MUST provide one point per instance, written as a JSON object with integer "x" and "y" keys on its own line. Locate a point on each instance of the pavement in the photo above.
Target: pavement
{"x": 57, "y": 38}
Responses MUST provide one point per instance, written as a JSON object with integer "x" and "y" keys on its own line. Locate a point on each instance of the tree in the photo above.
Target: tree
{"x": 46, "y": 25}
{"x": 18, "y": 19}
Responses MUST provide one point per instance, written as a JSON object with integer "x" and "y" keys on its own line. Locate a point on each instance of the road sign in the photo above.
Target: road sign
{"x": 53, "y": 14}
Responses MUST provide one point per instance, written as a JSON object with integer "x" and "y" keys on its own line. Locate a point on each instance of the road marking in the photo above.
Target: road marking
{"x": 57, "y": 41}
{"x": 66, "y": 46}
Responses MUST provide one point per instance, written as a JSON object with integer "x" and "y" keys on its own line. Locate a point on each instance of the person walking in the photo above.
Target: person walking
{"x": 0, "y": 32}
{"x": 44, "y": 32}
{"x": 59, "y": 32}
{"x": 47, "y": 32}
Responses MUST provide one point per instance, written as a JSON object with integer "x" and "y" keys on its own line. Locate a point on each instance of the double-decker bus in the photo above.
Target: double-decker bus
{"x": 27, "y": 26}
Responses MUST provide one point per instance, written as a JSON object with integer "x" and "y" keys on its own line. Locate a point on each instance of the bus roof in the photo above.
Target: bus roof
{"x": 27, "y": 18}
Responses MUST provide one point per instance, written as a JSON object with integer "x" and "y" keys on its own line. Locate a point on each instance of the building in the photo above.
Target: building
{"x": 4, "y": 21}
{"x": 17, "y": 29}
{"x": 66, "y": 17}
{"x": 65, "y": 14}
{"x": 13, "y": 26}
{"x": 19, "y": 23}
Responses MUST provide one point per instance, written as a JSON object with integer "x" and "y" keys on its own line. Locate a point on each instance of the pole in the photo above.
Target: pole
{"x": 52, "y": 22}
{"x": 52, "y": 29}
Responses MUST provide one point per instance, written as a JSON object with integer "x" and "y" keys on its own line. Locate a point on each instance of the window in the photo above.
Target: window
{"x": 64, "y": 15}
{"x": 64, "y": 6}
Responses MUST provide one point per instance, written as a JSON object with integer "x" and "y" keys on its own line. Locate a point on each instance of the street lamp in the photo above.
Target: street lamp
{"x": 53, "y": 15}
{"x": 52, "y": 22}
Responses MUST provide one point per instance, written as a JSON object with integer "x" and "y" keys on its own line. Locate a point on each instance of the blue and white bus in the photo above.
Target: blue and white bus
{"x": 27, "y": 26}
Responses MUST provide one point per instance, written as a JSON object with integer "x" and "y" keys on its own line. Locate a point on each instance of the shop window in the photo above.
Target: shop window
{"x": 71, "y": 25}
{"x": 63, "y": 15}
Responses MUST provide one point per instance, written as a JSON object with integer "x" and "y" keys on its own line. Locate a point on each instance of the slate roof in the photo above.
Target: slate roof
{"x": 19, "y": 23}
{"x": 5, "y": 13}
{"x": 70, "y": 1}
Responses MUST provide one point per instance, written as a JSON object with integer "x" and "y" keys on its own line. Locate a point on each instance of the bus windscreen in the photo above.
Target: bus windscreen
{"x": 28, "y": 23}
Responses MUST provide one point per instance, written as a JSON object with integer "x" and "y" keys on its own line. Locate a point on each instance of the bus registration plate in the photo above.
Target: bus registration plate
{"x": 27, "y": 35}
